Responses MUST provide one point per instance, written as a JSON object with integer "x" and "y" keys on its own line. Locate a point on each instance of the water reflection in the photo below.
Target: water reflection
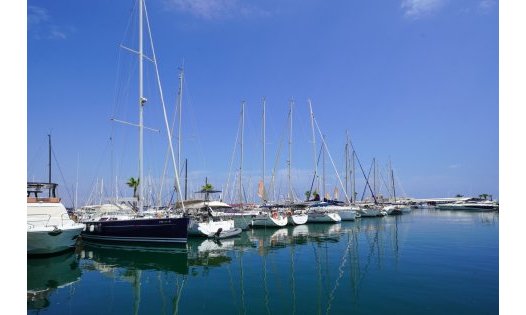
{"x": 109, "y": 259}
{"x": 315, "y": 268}
{"x": 46, "y": 274}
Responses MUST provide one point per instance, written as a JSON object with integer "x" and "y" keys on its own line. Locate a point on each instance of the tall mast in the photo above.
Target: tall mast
{"x": 76, "y": 184}
{"x": 346, "y": 164}
{"x": 241, "y": 160}
{"x": 264, "y": 140}
{"x": 49, "y": 165}
{"x": 353, "y": 177}
{"x": 374, "y": 176}
{"x": 290, "y": 148}
{"x": 323, "y": 164}
{"x": 142, "y": 100}
{"x": 180, "y": 105}
{"x": 392, "y": 180}
{"x": 185, "y": 178}
{"x": 314, "y": 146}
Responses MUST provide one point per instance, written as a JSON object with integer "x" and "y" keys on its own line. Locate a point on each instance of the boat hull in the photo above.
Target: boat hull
{"x": 165, "y": 230}
{"x": 265, "y": 220}
{"x": 367, "y": 212}
{"x": 347, "y": 215}
{"x": 226, "y": 233}
{"x": 319, "y": 217}
{"x": 49, "y": 240}
{"x": 297, "y": 219}
{"x": 467, "y": 208}
{"x": 204, "y": 229}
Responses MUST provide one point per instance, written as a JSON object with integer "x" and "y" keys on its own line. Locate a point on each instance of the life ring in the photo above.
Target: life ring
{"x": 275, "y": 215}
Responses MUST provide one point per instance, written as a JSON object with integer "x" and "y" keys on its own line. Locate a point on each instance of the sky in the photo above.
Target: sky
{"x": 413, "y": 83}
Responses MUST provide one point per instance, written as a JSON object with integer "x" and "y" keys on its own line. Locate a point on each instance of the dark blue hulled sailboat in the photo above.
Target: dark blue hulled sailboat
{"x": 136, "y": 227}
{"x": 154, "y": 230}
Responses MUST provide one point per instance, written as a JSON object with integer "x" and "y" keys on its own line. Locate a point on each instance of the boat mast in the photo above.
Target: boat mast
{"x": 314, "y": 147}
{"x": 180, "y": 105}
{"x": 290, "y": 148}
{"x": 323, "y": 165}
{"x": 374, "y": 176}
{"x": 241, "y": 160}
{"x": 185, "y": 178}
{"x": 392, "y": 180}
{"x": 76, "y": 184}
{"x": 49, "y": 165}
{"x": 347, "y": 164}
{"x": 264, "y": 140}
{"x": 353, "y": 177}
{"x": 142, "y": 101}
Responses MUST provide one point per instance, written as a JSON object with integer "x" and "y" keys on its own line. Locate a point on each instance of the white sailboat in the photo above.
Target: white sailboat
{"x": 295, "y": 216}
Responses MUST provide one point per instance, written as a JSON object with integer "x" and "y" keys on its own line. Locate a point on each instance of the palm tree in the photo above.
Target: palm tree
{"x": 207, "y": 187}
{"x": 133, "y": 183}
{"x": 485, "y": 196}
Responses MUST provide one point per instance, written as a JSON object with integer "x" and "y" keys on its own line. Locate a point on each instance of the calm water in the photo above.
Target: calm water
{"x": 426, "y": 262}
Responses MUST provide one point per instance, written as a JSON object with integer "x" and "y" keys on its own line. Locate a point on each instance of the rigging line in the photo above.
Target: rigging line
{"x": 400, "y": 185}
{"x": 314, "y": 177}
{"x": 62, "y": 175}
{"x": 273, "y": 176}
{"x": 126, "y": 31}
{"x": 385, "y": 183}
{"x": 95, "y": 175}
{"x": 361, "y": 168}
{"x": 330, "y": 157}
{"x": 232, "y": 163}
{"x": 36, "y": 154}
{"x": 367, "y": 179}
{"x": 195, "y": 130}
{"x": 163, "y": 107}
{"x": 167, "y": 155}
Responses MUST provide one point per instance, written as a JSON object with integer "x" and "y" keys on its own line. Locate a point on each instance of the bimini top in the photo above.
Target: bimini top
{"x": 34, "y": 188}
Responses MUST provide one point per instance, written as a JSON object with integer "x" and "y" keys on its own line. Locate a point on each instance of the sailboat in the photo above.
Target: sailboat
{"x": 270, "y": 215}
{"x": 319, "y": 212}
{"x": 139, "y": 228}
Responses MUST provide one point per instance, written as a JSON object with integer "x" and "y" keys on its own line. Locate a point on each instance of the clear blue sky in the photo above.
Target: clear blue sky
{"x": 414, "y": 81}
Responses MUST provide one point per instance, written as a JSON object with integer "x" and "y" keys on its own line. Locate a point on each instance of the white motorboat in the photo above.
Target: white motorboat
{"x": 49, "y": 227}
{"x": 470, "y": 205}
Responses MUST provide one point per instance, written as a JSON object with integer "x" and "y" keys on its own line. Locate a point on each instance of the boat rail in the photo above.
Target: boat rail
{"x": 33, "y": 221}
